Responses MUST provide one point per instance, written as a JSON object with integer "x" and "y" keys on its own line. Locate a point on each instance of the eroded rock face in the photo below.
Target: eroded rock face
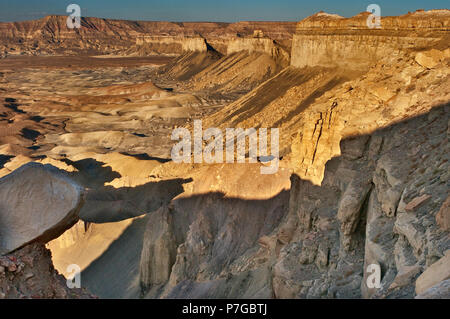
{"x": 37, "y": 203}
{"x": 358, "y": 108}
{"x": 215, "y": 244}
{"x": 172, "y": 45}
{"x": 50, "y": 35}
{"x": 256, "y": 44}
{"x": 159, "y": 249}
{"x": 439, "y": 291}
{"x": 443, "y": 216}
{"x": 330, "y": 40}
{"x": 390, "y": 223}
{"x": 430, "y": 59}
{"x": 436, "y": 273}
{"x": 373, "y": 207}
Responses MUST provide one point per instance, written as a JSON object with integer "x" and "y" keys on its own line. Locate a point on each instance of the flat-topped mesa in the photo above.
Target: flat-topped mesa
{"x": 173, "y": 45}
{"x": 433, "y": 20}
{"x": 258, "y": 43}
{"x": 50, "y": 35}
{"x": 251, "y": 44}
{"x": 331, "y": 40}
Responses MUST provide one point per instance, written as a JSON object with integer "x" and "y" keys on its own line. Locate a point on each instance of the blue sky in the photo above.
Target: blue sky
{"x": 208, "y": 10}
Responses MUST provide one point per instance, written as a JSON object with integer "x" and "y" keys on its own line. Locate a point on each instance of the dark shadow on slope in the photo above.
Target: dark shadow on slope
{"x": 311, "y": 98}
{"x": 187, "y": 65}
{"x": 11, "y": 104}
{"x": 4, "y": 159}
{"x": 146, "y": 157}
{"x": 108, "y": 204}
{"x": 255, "y": 218}
{"x": 115, "y": 274}
{"x": 230, "y": 228}
{"x": 30, "y": 134}
{"x": 37, "y": 118}
{"x": 271, "y": 90}
{"x": 92, "y": 173}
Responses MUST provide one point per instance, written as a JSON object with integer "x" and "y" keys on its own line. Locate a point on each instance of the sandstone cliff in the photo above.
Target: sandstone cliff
{"x": 50, "y": 35}
{"x": 370, "y": 154}
{"x": 330, "y": 40}
{"x": 377, "y": 205}
{"x": 171, "y": 45}
{"x": 317, "y": 106}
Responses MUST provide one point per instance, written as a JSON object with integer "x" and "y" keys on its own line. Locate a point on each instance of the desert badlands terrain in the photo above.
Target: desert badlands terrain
{"x": 87, "y": 177}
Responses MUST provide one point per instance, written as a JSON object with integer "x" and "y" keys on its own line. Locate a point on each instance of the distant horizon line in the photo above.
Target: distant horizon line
{"x": 141, "y": 20}
{"x": 212, "y": 21}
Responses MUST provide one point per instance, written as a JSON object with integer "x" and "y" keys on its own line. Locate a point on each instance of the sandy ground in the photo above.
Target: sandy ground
{"x": 78, "y": 62}
{"x": 107, "y": 124}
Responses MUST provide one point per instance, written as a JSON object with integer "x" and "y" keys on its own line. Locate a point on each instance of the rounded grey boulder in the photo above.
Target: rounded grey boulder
{"x": 37, "y": 203}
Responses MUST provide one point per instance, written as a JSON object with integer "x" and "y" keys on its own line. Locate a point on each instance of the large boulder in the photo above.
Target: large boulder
{"x": 37, "y": 203}
{"x": 437, "y": 272}
{"x": 443, "y": 216}
{"x": 439, "y": 291}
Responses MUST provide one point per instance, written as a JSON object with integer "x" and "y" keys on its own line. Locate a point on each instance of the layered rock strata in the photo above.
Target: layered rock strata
{"x": 330, "y": 40}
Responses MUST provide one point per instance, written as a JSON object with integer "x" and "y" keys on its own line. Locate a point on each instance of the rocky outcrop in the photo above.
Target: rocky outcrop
{"x": 372, "y": 208}
{"x": 362, "y": 106}
{"x": 29, "y": 273}
{"x": 439, "y": 291}
{"x": 330, "y": 40}
{"x": 258, "y": 44}
{"x": 50, "y": 35}
{"x": 37, "y": 203}
{"x": 358, "y": 217}
{"x": 159, "y": 249}
{"x": 435, "y": 274}
{"x": 172, "y": 45}
{"x": 443, "y": 216}
{"x": 213, "y": 243}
